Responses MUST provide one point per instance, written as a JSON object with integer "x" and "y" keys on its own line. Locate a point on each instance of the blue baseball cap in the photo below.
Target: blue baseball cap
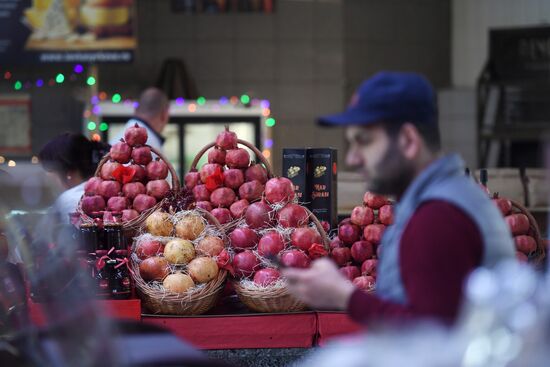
{"x": 388, "y": 97}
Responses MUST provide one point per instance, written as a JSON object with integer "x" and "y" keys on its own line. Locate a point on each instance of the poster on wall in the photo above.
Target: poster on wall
{"x": 223, "y": 6}
{"x": 15, "y": 124}
{"x": 49, "y": 31}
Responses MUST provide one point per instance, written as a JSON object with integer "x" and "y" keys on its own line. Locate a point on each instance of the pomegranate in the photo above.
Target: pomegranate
{"x": 142, "y": 155}
{"x": 251, "y": 191}
{"x": 223, "y": 197}
{"x": 201, "y": 193}
{"x": 256, "y": 172}
{"x": 245, "y": 263}
{"x": 129, "y": 214}
{"x": 210, "y": 246}
{"x": 364, "y": 282}
{"x": 143, "y": 202}
{"x": 192, "y": 179}
{"x": 205, "y": 205}
{"x": 108, "y": 189}
{"x": 121, "y": 152}
{"x": 133, "y": 189}
{"x": 203, "y": 269}
{"x": 295, "y": 259}
{"x": 216, "y": 155}
{"x": 518, "y": 223}
{"x": 521, "y": 257}
{"x": 362, "y": 216}
{"x": 237, "y": 158}
{"x": 350, "y": 272}
{"x": 226, "y": 139}
{"x": 238, "y": 208}
{"x": 369, "y": 267}
{"x": 373, "y": 233}
{"x": 525, "y": 244}
{"x": 159, "y": 223}
{"x": 190, "y": 227}
{"x": 233, "y": 178}
{"x": 179, "y": 252}
{"x": 150, "y": 248}
{"x": 385, "y": 214}
{"x": 267, "y": 276}
{"x": 336, "y": 242}
{"x": 279, "y": 190}
{"x": 157, "y": 189}
{"x": 154, "y": 268}
{"x": 504, "y": 205}
{"x": 258, "y": 215}
{"x": 293, "y": 215}
{"x": 117, "y": 204}
{"x": 208, "y": 170}
{"x": 223, "y": 215}
{"x": 178, "y": 283}
{"x": 92, "y": 204}
{"x": 374, "y": 201}
{"x": 303, "y": 238}
{"x": 91, "y": 187}
{"x": 271, "y": 244}
{"x": 361, "y": 251}
{"x": 349, "y": 233}
{"x": 108, "y": 217}
{"x": 157, "y": 170}
{"x": 243, "y": 238}
{"x": 325, "y": 225}
{"x": 107, "y": 170}
{"x": 135, "y": 135}
{"x": 341, "y": 255}
{"x": 140, "y": 173}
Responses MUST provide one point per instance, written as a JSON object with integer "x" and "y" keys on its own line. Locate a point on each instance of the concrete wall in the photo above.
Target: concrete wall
{"x": 471, "y": 22}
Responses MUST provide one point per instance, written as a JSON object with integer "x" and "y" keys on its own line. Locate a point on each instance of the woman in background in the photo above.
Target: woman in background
{"x": 70, "y": 159}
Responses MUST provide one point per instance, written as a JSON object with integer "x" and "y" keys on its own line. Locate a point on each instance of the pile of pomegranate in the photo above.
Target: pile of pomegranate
{"x": 273, "y": 229}
{"x": 524, "y": 236}
{"x": 357, "y": 246}
{"x": 178, "y": 252}
{"x": 130, "y": 183}
{"x": 229, "y": 182}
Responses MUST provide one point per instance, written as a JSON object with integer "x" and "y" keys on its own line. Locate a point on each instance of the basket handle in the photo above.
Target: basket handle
{"x": 175, "y": 179}
{"x": 315, "y": 220}
{"x": 256, "y": 151}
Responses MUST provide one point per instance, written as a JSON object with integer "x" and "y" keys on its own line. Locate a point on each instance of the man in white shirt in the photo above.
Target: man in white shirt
{"x": 151, "y": 113}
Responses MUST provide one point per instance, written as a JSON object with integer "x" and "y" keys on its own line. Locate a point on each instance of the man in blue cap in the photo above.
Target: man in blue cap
{"x": 445, "y": 225}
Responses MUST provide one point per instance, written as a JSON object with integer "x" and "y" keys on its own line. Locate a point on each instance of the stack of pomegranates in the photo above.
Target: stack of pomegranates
{"x": 357, "y": 246}
{"x": 130, "y": 182}
{"x": 180, "y": 251}
{"x": 274, "y": 227}
{"x": 229, "y": 182}
{"x": 524, "y": 236}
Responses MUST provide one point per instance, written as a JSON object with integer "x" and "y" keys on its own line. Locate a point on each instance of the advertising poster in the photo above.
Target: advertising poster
{"x": 46, "y": 31}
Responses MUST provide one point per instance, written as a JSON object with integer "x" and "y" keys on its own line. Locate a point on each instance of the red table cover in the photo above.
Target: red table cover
{"x": 335, "y": 324}
{"x": 296, "y": 330}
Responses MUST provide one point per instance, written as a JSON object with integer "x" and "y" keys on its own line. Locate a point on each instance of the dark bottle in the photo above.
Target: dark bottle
{"x": 113, "y": 237}
{"x": 120, "y": 283}
{"x": 88, "y": 238}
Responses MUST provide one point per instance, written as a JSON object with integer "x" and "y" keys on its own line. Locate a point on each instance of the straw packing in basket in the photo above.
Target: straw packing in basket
{"x": 128, "y": 181}
{"x": 177, "y": 253}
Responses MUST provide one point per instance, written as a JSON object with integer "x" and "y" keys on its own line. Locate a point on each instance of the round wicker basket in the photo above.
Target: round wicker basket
{"x": 275, "y": 298}
{"x": 537, "y": 257}
{"x": 195, "y": 302}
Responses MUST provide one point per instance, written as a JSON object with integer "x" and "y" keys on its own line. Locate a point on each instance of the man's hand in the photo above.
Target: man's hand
{"x": 321, "y": 286}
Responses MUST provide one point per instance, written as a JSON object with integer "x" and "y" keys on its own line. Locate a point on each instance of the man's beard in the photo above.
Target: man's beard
{"x": 393, "y": 174}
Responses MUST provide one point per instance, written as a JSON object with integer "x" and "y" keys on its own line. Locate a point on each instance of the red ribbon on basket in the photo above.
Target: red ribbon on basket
{"x": 124, "y": 174}
{"x": 316, "y": 251}
{"x": 224, "y": 261}
{"x": 215, "y": 180}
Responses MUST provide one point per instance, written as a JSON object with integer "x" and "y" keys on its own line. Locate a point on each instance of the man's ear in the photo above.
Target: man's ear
{"x": 409, "y": 141}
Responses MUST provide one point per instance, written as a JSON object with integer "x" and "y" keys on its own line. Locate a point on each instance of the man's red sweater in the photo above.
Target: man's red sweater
{"x": 440, "y": 246}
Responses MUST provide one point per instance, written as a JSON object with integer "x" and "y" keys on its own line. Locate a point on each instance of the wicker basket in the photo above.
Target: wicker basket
{"x": 537, "y": 257}
{"x": 196, "y": 302}
{"x": 132, "y": 226}
{"x": 275, "y": 298}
